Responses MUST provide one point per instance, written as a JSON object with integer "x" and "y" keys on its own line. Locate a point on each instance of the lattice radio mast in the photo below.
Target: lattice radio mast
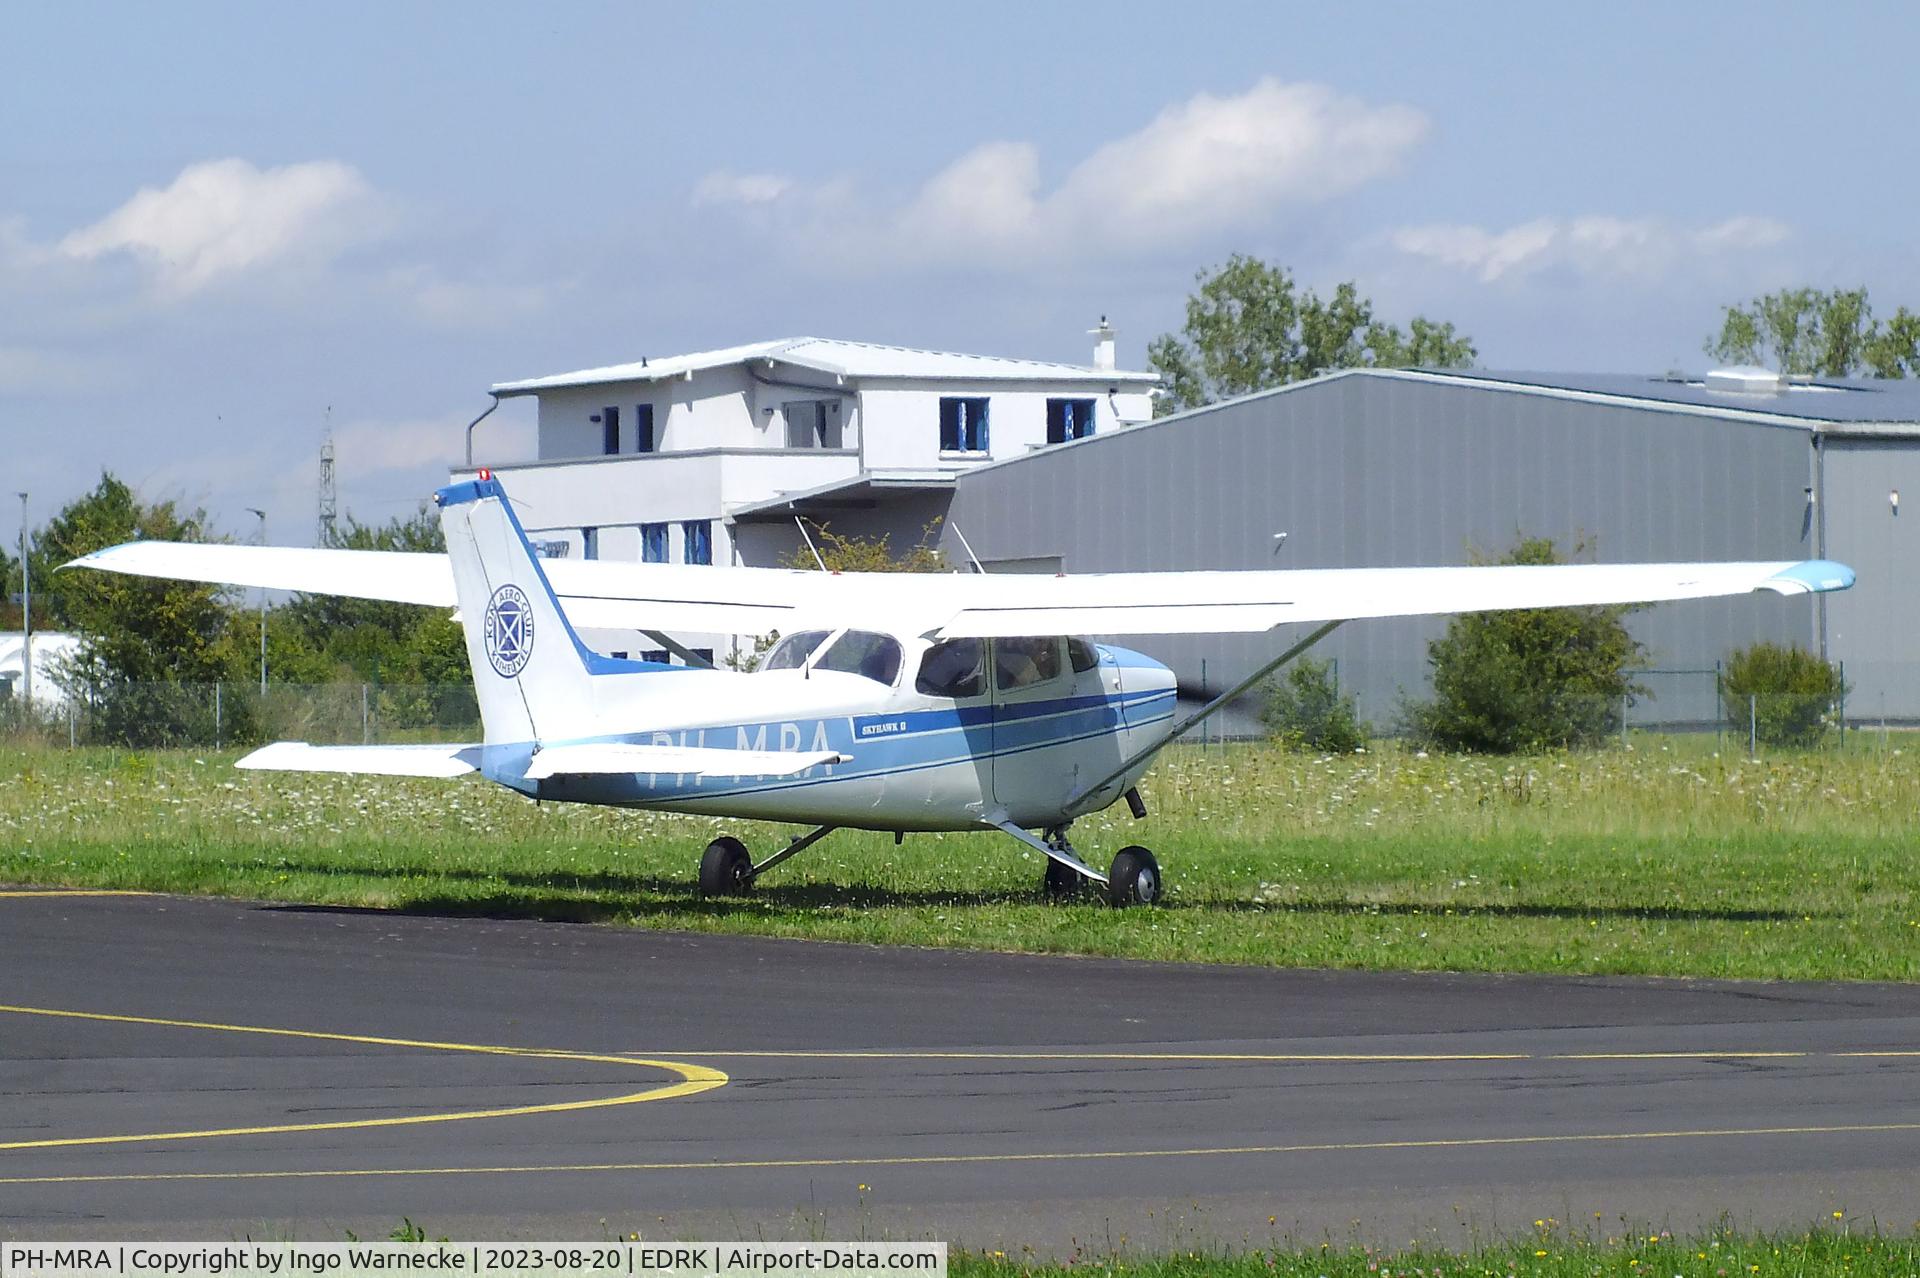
{"x": 329, "y": 500}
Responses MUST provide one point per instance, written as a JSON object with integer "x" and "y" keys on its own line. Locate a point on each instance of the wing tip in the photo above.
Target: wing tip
{"x": 1810, "y": 577}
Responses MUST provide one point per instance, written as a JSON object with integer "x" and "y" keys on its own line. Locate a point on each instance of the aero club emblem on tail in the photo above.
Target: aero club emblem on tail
{"x": 508, "y": 631}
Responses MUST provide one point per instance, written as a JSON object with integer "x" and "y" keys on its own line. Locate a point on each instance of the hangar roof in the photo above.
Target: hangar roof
{"x": 1815, "y": 402}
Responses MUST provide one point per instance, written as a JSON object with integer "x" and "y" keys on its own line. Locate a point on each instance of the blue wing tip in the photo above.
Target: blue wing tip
{"x": 1815, "y": 576}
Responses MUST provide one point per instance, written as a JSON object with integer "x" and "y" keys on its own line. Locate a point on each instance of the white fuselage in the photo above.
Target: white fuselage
{"x": 916, "y": 762}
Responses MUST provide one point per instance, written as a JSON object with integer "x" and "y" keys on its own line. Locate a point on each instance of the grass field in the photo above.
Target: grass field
{"x": 1553, "y": 1252}
{"x": 1664, "y": 859}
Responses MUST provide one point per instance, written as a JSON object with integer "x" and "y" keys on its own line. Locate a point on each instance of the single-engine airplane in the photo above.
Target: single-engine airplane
{"x": 893, "y": 702}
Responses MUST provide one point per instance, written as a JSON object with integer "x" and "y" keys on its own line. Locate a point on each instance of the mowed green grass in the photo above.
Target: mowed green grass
{"x": 1664, "y": 859}
{"x": 1552, "y": 1252}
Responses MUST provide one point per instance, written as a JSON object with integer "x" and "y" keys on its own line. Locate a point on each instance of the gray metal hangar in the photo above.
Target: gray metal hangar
{"x": 1366, "y": 468}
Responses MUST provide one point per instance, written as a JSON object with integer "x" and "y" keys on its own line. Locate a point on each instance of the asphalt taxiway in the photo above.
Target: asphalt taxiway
{"x": 191, "y": 1068}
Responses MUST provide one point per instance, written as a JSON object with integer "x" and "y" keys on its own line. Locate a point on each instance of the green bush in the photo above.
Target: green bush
{"x": 1305, "y": 711}
{"x": 1791, "y": 694}
{"x": 1530, "y": 679}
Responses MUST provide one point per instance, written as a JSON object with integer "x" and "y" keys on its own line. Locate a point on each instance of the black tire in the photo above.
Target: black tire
{"x": 1062, "y": 882}
{"x": 726, "y": 869}
{"x": 1134, "y": 878}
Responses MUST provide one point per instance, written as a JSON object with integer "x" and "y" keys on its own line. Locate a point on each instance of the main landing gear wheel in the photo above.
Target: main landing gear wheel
{"x": 1062, "y": 882}
{"x": 726, "y": 869}
{"x": 1134, "y": 878}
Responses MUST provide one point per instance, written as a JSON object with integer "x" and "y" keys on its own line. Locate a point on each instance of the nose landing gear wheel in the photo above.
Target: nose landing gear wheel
{"x": 1134, "y": 878}
{"x": 726, "y": 869}
{"x": 1061, "y": 883}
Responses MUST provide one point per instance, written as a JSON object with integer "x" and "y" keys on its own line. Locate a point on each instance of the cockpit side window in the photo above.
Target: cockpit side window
{"x": 862, "y": 652}
{"x": 792, "y": 652}
{"x": 1018, "y": 663}
{"x": 953, "y": 668}
{"x": 1082, "y": 655}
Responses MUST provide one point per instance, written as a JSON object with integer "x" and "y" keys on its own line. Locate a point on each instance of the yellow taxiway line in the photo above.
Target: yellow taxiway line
{"x": 694, "y": 1079}
{"x": 19, "y": 893}
{"x": 938, "y": 1160}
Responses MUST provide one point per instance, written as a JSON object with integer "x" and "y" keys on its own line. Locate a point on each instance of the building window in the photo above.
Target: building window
{"x": 1069, "y": 419}
{"x": 697, "y": 536}
{"x": 618, "y": 656}
{"x": 589, "y": 543}
{"x": 656, "y": 655}
{"x": 963, "y": 425}
{"x": 705, "y": 654}
{"x": 610, "y": 430}
{"x": 643, "y": 437}
{"x": 653, "y": 543}
{"x": 812, "y": 423}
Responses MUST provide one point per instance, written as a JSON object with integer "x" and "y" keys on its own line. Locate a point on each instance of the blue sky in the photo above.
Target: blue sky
{"x": 219, "y": 222}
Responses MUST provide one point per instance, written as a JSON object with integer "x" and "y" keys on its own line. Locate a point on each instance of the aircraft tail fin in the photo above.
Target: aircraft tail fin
{"x": 534, "y": 678}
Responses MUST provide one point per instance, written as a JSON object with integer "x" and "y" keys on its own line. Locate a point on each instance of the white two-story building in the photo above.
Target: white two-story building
{"x": 711, "y": 457}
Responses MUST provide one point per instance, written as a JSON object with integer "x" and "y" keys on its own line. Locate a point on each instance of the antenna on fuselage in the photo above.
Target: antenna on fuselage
{"x": 801, "y": 525}
{"x": 964, "y": 545}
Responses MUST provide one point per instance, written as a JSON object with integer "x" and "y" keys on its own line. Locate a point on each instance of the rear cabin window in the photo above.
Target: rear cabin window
{"x": 952, "y": 668}
{"x": 1020, "y": 663}
{"x": 1082, "y": 656}
{"x": 861, "y": 652}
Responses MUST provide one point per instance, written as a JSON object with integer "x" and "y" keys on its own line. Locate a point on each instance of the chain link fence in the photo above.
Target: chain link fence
{"x": 236, "y": 715}
{"x": 222, "y": 715}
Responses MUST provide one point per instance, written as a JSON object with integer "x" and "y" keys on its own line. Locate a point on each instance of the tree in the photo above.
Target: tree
{"x": 141, "y": 637}
{"x": 1799, "y": 331}
{"x": 418, "y": 655}
{"x": 1304, "y": 710}
{"x": 1894, "y": 351}
{"x": 1530, "y": 679}
{"x": 1249, "y": 327}
{"x": 1789, "y": 693}
{"x": 851, "y": 553}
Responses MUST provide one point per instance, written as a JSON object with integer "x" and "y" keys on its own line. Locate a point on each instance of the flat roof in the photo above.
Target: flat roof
{"x": 863, "y": 491}
{"x": 1852, "y": 400}
{"x": 840, "y": 359}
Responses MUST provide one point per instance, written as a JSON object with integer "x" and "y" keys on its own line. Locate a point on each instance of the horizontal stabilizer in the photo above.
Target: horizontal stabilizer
{"x": 379, "y": 761}
{"x": 618, "y": 758}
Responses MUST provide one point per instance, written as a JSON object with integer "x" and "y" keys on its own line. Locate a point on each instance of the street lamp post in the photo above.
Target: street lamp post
{"x": 255, "y": 510}
{"x": 26, "y": 613}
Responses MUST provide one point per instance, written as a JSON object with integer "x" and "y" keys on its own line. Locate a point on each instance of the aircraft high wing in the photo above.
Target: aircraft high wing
{"x": 899, "y": 702}
{"x": 603, "y": 594}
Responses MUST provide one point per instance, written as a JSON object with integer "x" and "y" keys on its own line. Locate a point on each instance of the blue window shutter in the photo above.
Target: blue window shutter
{"x": 643, "y": 428}
{"x": 698, "y": 534}
{"x": 653, "y": 543}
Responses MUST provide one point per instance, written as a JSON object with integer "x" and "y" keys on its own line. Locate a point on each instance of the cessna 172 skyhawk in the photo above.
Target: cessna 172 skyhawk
{"x": 892, "y": 701}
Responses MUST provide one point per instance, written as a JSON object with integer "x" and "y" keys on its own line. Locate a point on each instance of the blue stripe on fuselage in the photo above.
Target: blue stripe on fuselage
{"x": 929, "y": 738}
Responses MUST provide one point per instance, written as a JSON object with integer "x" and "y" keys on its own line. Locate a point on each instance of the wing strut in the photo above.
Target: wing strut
{"x": 678, "y": 649}
{"x": 1204, "y": 712}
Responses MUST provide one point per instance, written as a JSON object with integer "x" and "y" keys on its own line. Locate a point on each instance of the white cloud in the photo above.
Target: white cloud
{"x": 1208, "y": 165}
{"x": 723, "y": 186}
{"x": 223, "y": 218}
{"x": 366, "y": 448}
{"x": 32, "y": 369}
{"x": 1593, "y": 245}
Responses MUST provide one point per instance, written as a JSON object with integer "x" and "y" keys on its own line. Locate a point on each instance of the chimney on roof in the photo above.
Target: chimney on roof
{"x": 1102, "y": 345}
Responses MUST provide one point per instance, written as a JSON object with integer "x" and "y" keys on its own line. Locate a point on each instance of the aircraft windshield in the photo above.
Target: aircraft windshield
{"x": 862, "y": 652}
{"x": 792, "y": 652}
